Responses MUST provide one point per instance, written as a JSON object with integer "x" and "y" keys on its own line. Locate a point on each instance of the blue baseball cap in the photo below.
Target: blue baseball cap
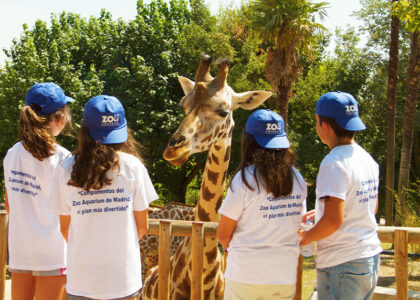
{"x": 267, "y": 128}
{"x": 343, "y": 108}
{"x": 104, "y": 117}
{"x": 48, "y": 95}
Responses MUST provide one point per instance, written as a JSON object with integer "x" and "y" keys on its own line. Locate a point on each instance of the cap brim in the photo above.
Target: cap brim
{"x": 276, "y": 142}
{"x": 69, "y": 99}
{"x": 116, "y": 136}
{"x": 352, "y": 124}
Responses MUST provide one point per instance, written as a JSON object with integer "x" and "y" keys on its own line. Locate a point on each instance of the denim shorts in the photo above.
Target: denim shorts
{"x": 353, "y": 280}
{"x": 56, "y": 272}
{"x": 73, "y": 297}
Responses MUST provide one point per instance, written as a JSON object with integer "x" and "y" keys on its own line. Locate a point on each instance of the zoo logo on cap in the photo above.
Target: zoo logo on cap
{"x": 110, "y": 120}
{"x": 351, "y": 110}
{"x": 273, "y": 128}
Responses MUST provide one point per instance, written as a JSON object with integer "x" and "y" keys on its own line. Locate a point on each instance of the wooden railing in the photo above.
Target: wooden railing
{"x": 399, "y": 236}
{"x": 197, "y": 231}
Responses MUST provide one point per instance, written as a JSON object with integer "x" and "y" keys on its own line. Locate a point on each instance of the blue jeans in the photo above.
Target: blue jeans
{"x": 353, "y": 280}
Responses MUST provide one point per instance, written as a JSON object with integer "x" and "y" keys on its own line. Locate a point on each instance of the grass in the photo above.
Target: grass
{"x": 309, "y": 277}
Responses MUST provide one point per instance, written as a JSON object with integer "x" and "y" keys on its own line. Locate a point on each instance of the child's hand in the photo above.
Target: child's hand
{"x": 303, "y": 240}
{"x": 310, "y": 215}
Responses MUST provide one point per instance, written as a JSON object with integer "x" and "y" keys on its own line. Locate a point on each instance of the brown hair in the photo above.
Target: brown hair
{"x": 273, "y": 167}
{"x": 338, "y": 130}
{"x": 93, "y": 160}
{"x": 35, "y": 133}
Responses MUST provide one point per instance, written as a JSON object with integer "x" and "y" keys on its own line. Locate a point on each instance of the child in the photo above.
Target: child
{"x": 261, "y": 214}
{"x": 346, "y": 203}
{"x": 36, "y": 248}
{"x": 104, "y": 192}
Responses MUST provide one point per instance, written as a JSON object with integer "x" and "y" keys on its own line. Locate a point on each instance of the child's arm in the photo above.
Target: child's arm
{"x": 142, "y": 222}
{"x": 6, "y": 202}
{"x": 64, "y": 226}
{"x": 225, "y": 230}
{"x": 329, "y": 222}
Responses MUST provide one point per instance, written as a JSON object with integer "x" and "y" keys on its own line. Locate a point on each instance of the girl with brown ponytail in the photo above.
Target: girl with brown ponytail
{"x": 36, "y": 249}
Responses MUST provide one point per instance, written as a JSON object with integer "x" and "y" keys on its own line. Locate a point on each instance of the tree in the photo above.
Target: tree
{"x": 138, "y": 62}
{"x": 390, "y": 133}
{"x": 288, "y": 28}
{"x": 409, "y": 11}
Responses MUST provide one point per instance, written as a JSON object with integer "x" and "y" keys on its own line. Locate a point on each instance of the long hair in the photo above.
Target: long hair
{"x": 35, "y": 133}
{"x": 273, "y": 167}
{"x": 93, "y": 160}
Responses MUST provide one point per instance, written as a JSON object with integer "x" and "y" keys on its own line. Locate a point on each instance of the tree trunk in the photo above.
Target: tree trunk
{"x": 390, "y": 134}
{"x": 281, "y": 70}
{"x": 409, "y": 118}
{"x": 283, "y": 103}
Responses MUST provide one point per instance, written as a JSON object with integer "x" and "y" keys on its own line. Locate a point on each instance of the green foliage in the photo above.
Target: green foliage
{"x": 138, "y": 62}
{"x": 409, "y": 12}
{"x": 282, "y": 23}
{"x": 376, "y": 17}
{"x": 409, "y": 217}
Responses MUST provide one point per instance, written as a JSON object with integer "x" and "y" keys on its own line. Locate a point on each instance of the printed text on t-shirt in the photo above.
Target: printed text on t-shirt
{"x": 288, "y": 209}
{"x": 25, "y": 183}
{"x": 88, "y": 206}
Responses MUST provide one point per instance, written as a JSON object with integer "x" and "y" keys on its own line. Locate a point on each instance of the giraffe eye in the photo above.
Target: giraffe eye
{"x": 222, "y": 113}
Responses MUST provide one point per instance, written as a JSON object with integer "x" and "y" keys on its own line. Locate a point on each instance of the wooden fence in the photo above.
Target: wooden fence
{"x": 400, "y": 236}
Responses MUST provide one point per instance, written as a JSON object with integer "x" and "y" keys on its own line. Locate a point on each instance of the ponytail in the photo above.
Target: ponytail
{"x": 35, "y": 133}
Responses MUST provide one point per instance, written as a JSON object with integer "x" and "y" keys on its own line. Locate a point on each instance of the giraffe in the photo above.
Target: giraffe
{"x": 149, "y": 243}
{"x": 208, "y": 124}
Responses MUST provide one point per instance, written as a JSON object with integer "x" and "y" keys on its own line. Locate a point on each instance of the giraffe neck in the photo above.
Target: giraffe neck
{"x": 213, "y": 182}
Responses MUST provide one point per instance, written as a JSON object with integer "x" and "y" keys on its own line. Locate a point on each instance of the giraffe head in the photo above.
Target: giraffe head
{"x": 208, "y": 105}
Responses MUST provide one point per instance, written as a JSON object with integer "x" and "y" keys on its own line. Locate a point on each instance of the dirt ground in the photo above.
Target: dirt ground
{"x": 387, "y": 273}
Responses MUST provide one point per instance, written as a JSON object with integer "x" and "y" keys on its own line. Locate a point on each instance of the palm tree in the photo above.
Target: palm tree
{"x": 390, "y": 133}
{"x": 288, "y": 27}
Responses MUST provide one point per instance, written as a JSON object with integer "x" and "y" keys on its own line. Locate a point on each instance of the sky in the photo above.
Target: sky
{"x": 14, "y": 13}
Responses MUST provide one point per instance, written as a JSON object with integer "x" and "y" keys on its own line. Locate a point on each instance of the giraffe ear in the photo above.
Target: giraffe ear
{"x": 249, "y": 100}
{"x": 186, "y": 84}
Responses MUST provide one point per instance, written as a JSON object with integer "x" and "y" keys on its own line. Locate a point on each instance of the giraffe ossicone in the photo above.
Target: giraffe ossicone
{"x": 208, "y": 105}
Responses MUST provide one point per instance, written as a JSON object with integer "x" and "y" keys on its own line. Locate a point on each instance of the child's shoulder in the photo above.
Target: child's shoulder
{"x": 16, "y": 149}
{"x": 61, "y": 151}
{"x": 129, "y": 159}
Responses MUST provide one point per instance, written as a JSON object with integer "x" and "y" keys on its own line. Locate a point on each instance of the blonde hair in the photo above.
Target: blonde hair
{"x": 35, "y": 133}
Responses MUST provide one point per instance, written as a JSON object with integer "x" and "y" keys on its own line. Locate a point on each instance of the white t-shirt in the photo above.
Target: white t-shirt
{"x": 264, "y": 248}
{"x": 103, "y": 248}
{"x": 348, "y": 172}
{"x": 35, "y": 240}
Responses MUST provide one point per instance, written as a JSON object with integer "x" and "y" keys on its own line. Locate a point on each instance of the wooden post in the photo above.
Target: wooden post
{"x": 3, "y": 252}
{"x": 401, "y": 263}
{"x": 164, "y": 259}
{"x": 298, "y": 295}
{"x": 197, "y": 241}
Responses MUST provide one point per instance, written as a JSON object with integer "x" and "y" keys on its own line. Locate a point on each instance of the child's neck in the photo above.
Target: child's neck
{"x": 339, "y": 141}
